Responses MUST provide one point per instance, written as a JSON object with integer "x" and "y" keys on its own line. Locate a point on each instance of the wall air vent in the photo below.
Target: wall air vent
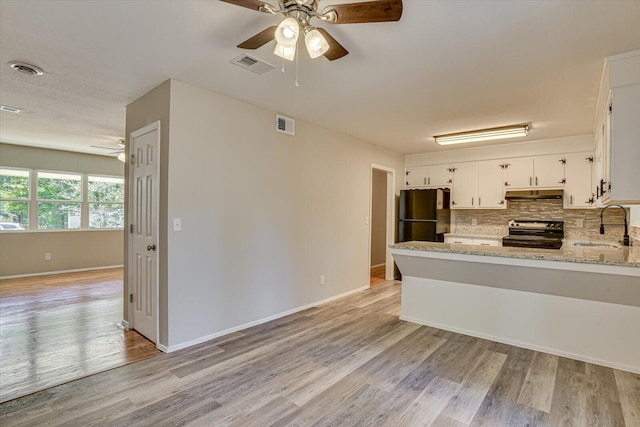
{"x": 252, "y": 63}
{"x": 285, "y": 125}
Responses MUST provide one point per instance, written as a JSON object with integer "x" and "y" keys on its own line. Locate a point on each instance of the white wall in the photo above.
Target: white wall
{"x": 264, "y": 214}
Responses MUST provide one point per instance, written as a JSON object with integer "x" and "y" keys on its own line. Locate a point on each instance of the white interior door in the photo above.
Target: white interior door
{"x": 144, "y": 183}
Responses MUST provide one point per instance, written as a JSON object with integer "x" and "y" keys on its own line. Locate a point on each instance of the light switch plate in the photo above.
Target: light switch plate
{"x": 177, "y": 224}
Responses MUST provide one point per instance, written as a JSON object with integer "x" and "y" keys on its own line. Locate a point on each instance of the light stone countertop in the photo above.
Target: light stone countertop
{"x": 473, "y": 236}
{"x": 628, "y": 256}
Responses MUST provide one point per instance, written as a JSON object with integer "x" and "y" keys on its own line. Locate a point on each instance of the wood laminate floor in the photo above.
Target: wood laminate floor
{"x": 350, "y": 362}
{"x": 57, "y": 328}
{"x": 377, "y": 275}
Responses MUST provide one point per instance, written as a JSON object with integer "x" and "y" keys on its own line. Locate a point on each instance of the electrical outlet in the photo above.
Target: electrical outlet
{"x": 321, "y": 279}
{"x": 474, "y": 221}
{"x": 580, "y": 223}
{"x": 47, "y": 256}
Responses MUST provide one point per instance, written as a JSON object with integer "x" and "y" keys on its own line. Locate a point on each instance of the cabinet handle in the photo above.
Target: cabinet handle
{"x": 501, "y": 202}
{"x": 571, "y": 199}
{"x": 472, "y": 201}
{"x": 450, "y": 181}
{"x": 530, "y": 181}
{"x": 485, "y": 244}
{"x": 536, "y": 181}
{"x": 429, "y": 180}
{"x": 424, "y": 181}
{"x": 590, "y": 201}
{"x": 479, "y": 201}
{"x": 453, "y": 202}
{"x": 506, "y": 184}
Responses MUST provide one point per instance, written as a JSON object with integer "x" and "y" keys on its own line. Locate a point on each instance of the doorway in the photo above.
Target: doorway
{"x": 382, "y": 219}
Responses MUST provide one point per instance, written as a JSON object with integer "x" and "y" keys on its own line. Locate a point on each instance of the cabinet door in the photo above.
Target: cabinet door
{"x": 458, "y": 240}
{"x": 439, "y": 176}
{"x": 624, "y": 153}
{"x": 415, "y": 176}
{"x": 519, "y": 173}
{"x": 491, "y": 185}
{"x": 579, "y": 186}
{"x": 549, "y": 171}
{"x": 464, "y": 189}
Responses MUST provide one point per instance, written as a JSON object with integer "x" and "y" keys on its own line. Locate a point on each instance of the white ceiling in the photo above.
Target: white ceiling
{"x": 447, "y": 66}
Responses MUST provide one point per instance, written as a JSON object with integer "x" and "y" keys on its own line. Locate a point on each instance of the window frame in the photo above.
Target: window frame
{"x": 33, "y": 200}
{"x": 28, "y": 200}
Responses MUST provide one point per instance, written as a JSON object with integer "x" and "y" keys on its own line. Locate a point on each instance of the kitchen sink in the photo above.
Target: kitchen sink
{"x": 596, "y": 244}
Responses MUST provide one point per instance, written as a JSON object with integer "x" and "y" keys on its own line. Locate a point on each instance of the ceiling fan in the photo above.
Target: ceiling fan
{"x": 119, "y": 151}
{"x": 298, "y": 15}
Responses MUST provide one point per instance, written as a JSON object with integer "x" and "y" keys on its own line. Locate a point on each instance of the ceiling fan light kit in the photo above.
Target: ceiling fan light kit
{"x": 504, "y": 132}
{"x": 298, "y": 14}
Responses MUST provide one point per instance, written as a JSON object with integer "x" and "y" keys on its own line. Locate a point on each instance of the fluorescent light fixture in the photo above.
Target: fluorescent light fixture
{"x": 483, "y": 135}
{"x": 285, "y": 52}
{"x": 9, "y": 109}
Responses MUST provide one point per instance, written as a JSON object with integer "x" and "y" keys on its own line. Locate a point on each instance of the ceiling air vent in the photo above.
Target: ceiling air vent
{"x": 285, "y": 125}
{"x": 25, "y": 68}
{"x": 252, "y": 63}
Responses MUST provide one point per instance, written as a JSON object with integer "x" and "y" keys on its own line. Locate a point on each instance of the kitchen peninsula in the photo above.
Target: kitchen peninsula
{"x": 578, "y": 302}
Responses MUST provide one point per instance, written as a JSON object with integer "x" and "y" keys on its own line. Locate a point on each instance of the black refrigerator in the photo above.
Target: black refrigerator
{"x": 423, "y": 215}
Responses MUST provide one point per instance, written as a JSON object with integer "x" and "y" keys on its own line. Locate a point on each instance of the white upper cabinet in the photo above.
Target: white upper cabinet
{"x": 491, "y": 185}
{"x": 549, "y": 171}
{"x": 439, "y": 176}
{"x": 535, "y": 172}
{"x": 415, "y": 176}
{"x": 436, "y": 176}
{"x": 579, "y": 189}
{"x": 621, "y": 184}
{"x": 465, "y": 186}
{"x": 618, "y": 153}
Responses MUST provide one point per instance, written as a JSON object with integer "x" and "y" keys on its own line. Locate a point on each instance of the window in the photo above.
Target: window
{"x": 14, "y": 199}
{"x": 106, "y": 202}
{"x": 59, "y": 201}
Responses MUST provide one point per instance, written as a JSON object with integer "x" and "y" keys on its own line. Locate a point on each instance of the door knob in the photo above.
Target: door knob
{"x": 151, "y": 247}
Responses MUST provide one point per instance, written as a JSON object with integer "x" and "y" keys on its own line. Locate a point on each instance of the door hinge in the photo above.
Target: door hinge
{"x": 130, "y": 297}
{"x": 131, "y": 228}
{"x": 133, "y": 159}
{"x": 610, "y": 107}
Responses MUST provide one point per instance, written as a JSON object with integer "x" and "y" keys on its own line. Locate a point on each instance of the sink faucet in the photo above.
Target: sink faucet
{"x": 625, "y": 239}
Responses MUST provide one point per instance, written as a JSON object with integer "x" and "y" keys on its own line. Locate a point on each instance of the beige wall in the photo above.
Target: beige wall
{"x": 264, "y": 214}
{"x": 22, "y": 253}
{"x": 378, "y": 217}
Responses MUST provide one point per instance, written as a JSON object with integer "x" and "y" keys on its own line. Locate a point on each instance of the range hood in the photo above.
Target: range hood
{"x": 534, "y": 194}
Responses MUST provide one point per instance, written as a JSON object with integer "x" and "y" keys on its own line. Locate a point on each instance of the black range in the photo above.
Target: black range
{"x": 525, "y": 233}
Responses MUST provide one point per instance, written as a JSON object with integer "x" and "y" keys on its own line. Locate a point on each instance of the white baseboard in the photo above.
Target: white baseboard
{"x": 528, "y": 346}
{"x": 162, "y": 348}
{"x": 378, "y": 265}
{"x": 205, "y": 338}
{"x": 47, "y": 273}
{"x": 125, "y": 324}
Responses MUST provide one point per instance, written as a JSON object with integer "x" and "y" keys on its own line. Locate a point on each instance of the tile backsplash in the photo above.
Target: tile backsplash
{"x": 494, "y": 222}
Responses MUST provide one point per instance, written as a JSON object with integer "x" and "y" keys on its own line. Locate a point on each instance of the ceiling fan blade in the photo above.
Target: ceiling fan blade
{"x": 259, "y": 39}
{"x": 336, "y": 50}
{"x": 249, "y": 4}
{"x": 368, "y": 11}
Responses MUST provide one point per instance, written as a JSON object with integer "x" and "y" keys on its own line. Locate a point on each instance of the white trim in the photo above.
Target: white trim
{"x": 378, "y": 265}
{"x": 47, "y": 273}
{"x": 521, "y": 344}
{"x": 209, "y": 337}
{"x": 162, "y": 348}
{"x": 125, "y": 324}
